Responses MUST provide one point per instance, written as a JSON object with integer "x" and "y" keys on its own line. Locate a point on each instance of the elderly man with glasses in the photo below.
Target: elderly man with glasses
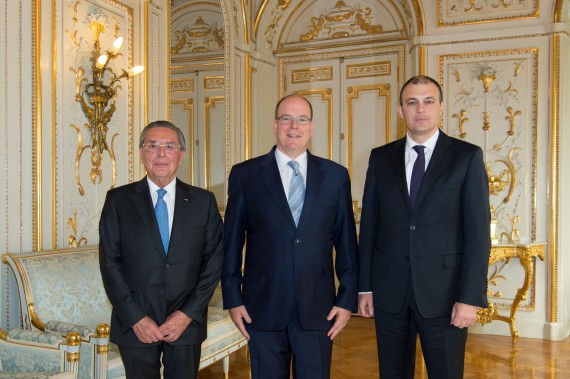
{"x": 160, "y": 254}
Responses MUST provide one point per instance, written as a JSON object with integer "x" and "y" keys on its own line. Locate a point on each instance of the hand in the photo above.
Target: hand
{"x": 174, "y": 326}
{"x": 147, "y": 331}
{"x": 341, "y": 317}
{"x": 365, "y": 305}
{"x": 238, "y": 316}
{"x": 463, "y": 315}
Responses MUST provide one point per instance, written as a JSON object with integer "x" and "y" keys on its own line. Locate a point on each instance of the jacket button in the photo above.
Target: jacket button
{"x": 412, "y": 227}
{"x": 297, "y": 240}
{"x": 167, "y": 265}
{"x": 406, "y": 258}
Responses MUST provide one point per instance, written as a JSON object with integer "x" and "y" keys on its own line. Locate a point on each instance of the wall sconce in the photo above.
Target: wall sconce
{"x": 101, "y": 105}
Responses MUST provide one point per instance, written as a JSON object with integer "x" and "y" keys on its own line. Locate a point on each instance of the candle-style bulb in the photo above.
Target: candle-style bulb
{"x": 117, "y": 45}
{"x": 101, "y": 61}
{"x": 135, "y": 70}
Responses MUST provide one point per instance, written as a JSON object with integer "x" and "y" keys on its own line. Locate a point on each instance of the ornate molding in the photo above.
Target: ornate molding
{"x": 460, "y": 12}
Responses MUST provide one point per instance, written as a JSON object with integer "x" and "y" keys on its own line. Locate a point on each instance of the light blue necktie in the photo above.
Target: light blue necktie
{"x": 296, "y": 191}
{"x": 162, "y": 217}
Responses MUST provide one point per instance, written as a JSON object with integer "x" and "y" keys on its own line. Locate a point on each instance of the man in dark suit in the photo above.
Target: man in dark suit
{"x": 424, "y": 240}
{"x": 286, "y": 303}
{"x": 160, "y": 254}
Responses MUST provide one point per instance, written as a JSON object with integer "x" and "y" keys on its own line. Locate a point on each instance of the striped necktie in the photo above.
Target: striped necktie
{"x": 296, "y": 191}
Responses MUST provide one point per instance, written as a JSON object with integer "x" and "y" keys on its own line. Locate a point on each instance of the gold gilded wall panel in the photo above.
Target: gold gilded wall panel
{"x": 363, "y": 70}
{"x": 182, "y": 85}
{"x": 83, "y": 173}
{"x": 325, "y": 96}
{"x": 182, "y": 115}
{"x": 214, "y": 82}
{"x": 460, "y": 12}
{"x": 314, "y": 74}
{"x": 491, "y": 100}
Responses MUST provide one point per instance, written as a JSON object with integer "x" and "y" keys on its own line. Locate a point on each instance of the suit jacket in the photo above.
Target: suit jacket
{"x": 443, "y": 243}
{"x": 140, "y": 279}
{"x": 287, "y": 266}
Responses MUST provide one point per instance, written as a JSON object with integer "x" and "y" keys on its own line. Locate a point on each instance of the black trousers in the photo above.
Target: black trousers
{"x": 272, "y": 353}
{"x": 443, "y": 345}
{"x": 180, "y": 361}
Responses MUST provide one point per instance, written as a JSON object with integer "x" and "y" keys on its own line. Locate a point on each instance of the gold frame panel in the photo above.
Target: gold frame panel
{"x": 326, "y": 95}
{"x": 188, "y": 105}
{"x": 209, "y": 103}
{"x": 354, "y": 93}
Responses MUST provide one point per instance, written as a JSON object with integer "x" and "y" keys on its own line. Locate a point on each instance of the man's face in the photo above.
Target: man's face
{"x": 160, "y": 165}
{"x": 293, "y": 139}
{"x": 421, "y": 110}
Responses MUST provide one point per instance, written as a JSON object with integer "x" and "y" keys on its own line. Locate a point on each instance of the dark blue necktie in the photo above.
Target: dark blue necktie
{"x": 417, "y": 173}
{"x": 296, "y": 191}
{"x": 161, "y": 211}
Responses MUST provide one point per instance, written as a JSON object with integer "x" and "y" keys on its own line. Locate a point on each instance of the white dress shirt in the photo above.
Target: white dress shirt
{"x": 286, "y": 171}
{"x": 411, "y": 154}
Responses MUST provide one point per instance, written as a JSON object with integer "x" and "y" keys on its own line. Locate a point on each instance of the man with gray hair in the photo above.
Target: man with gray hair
{"x": 160, "y": 255}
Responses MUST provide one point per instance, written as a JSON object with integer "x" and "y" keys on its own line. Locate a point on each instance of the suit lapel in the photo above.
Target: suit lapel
{"x": 314, "y": 180}
{"x": 181, "y": 212}
{"x": 272, "y": 179}
{"x": 435, "y": 165}
{"x": 143, "y": 204}
{"x": 400, "y": 170}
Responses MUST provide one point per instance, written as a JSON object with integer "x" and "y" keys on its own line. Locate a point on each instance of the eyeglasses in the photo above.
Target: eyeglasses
{"x": 153, "y": 147}
{"x": 288, "y": 120}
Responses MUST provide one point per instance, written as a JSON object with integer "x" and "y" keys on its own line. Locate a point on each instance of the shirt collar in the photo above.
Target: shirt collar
{"x": 282, "y": 159}
{"x": 429, "y": 143}
{"x": 170, "y": 187}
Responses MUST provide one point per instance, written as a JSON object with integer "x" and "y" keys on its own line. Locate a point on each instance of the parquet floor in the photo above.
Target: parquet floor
{"x": 487, "y": 357}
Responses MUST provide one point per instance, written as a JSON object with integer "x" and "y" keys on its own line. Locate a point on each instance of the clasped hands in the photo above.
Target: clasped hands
{"x": 147, "y": 331}
{"x": 341, "y": 316}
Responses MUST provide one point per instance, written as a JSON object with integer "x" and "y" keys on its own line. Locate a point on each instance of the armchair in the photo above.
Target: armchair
{"x": 61, "y": 291}
{"x": 30, "y": 354}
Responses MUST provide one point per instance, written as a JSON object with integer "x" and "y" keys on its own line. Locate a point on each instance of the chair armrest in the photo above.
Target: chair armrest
{"x": 63, "y": 328}
{"x": 35, "y": 337}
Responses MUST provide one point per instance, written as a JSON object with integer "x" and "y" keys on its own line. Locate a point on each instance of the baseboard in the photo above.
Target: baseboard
{"x": 526, "y": 329}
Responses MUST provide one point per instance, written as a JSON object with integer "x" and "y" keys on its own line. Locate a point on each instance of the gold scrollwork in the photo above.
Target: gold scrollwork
{"x": 72, "y": 240}
{"x": 487, "y": 77}
{"x": 527, "y": 255}
{"x": 341, "y": 21}
{"x": 486, "y": 120}
{"x": 502, "y": 3}
{"x": 511, "y": 119}
{"x": 96, "y": 174}
{"x": 498, "y": 183}
{"x": 494, "y": 281}
{"x": 457, "y": 75}
{"x": 200, "y": 37}
{"x": 514, "y": 235}
{"x": 462, "y": 121}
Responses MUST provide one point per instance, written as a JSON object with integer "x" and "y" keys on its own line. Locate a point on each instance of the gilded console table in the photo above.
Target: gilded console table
{"x": 526, "y": 255}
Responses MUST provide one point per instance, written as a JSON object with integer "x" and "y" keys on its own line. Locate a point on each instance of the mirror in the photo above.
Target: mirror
{"x": 197, "y": 91}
